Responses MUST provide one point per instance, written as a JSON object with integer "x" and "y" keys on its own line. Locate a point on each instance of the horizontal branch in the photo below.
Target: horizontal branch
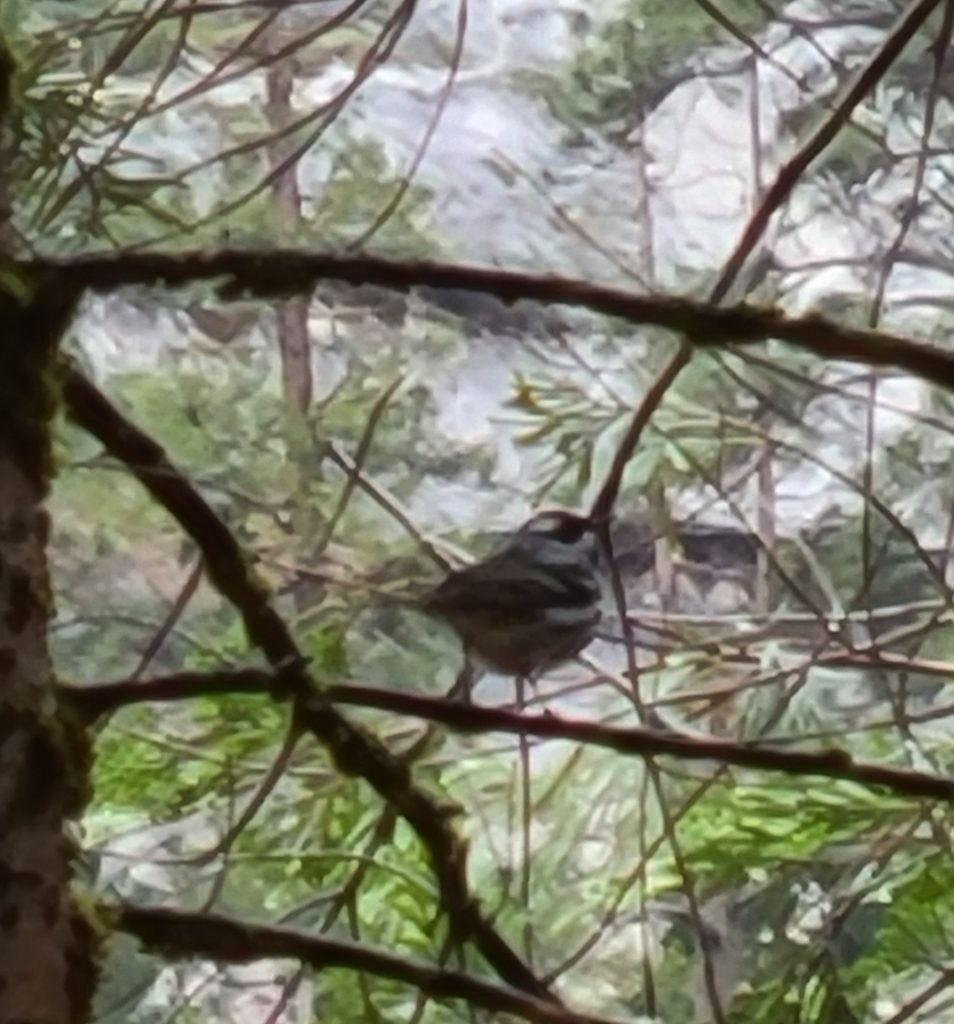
{"x": 95, "y": 699}
{"x": 279, "y": 272}
{"x": 833, "y": 763}
{"x": 188, "y": 934}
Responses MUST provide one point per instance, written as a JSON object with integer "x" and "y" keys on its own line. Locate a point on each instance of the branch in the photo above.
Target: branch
{"x": 860, "y": 87}
{"x": 279, "y": 272}
{"x": 188, "y": 934}
{"x": 354, "y": 750}
{"x": 831, "y": 763}
{"x": 95, "y": 699}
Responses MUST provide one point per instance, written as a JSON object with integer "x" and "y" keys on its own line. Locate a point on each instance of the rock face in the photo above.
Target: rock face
{"x": 654, "y": 201}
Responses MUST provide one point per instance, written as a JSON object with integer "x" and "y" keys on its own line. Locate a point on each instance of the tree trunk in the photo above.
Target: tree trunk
{"x": 46, "y": 966}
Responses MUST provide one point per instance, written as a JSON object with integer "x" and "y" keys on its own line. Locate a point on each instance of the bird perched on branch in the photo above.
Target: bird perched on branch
{"x": 533, "y": 602}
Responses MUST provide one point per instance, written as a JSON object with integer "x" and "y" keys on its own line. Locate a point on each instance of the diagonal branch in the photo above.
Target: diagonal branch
{"x": 355, "y": 750}
{"x": 180, "y": 933}
{"x": 791, "y": 171}
{"x": 785, "y": 181}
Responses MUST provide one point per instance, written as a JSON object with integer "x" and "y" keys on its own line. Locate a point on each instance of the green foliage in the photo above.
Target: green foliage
{"x": 361, "y": 183}
{"x": 637, "y": 53}
{"x": 580, "y": 429}
{"x": 761, "y": 826}
{"x": 917, "y": 918}
{"x": 608, "y": 852}
{"x": 84, "y": 109}
{"x": 133, "y": 773}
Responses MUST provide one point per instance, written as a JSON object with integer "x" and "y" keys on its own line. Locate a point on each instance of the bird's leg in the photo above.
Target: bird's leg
{"x": 532, "y": 681}
{"x": 519, "y": 693}
{"x": 462, "y": 688}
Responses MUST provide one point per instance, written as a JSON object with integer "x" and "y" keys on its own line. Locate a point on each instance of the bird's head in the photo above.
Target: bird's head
{"x": 564, "y": 535}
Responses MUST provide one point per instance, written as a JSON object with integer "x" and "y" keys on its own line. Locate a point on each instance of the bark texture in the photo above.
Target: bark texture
{"x": 34, "y": 855}
{"x": 46, "y": 964}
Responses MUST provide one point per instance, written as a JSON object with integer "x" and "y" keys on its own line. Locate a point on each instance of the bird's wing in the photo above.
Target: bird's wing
{"x": 509, "y": 585}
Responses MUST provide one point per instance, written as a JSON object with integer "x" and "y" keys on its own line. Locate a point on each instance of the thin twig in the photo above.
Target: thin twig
{"x": 354, "y": 472}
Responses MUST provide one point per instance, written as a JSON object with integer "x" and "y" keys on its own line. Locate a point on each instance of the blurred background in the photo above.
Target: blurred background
{"x": 784, "y": 530}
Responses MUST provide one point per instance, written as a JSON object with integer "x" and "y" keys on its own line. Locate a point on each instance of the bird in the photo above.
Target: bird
{"x": 530, "y": 604}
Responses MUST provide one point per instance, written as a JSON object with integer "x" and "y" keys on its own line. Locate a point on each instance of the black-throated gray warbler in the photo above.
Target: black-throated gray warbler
{"x": 532, "y": 602}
